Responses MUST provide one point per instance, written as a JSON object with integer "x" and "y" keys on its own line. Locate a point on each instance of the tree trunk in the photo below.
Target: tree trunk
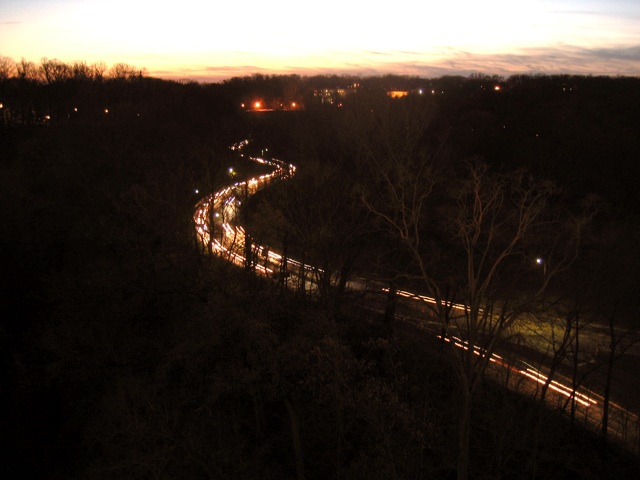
{"x": 607, "y": 386}
{"x": 324, "y": 283}
{"x": 464, "y": 427}
{"x": 284, "y": 268}
{"x": 297, "y": 439}
{"x": 248, "y": 253}
{"x": 258, "y": 408}
{"x": 390, "y": 310}
{"x": 302, "y": 277}
{"x": 342, "y": 283}
{"x": 576, "y": 365}
{"x": 211, "y": 226}
{"x": 558, "y": 356}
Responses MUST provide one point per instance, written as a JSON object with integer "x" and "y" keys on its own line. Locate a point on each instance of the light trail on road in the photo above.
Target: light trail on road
{"x": 424, "y": 298}
{"x": 220, "y": 211}
{"x": 222, "y": 207}
{"x": 530, "y": 372}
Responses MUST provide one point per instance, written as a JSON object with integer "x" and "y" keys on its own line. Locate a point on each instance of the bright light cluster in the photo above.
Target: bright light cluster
{"x": 222, "y": 206}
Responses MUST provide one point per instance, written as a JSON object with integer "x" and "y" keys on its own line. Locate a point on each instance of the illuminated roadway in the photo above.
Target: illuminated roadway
{"x": 217, "y": 229}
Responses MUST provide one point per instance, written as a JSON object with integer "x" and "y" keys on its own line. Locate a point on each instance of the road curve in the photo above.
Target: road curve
{"x": 218, "y": 232}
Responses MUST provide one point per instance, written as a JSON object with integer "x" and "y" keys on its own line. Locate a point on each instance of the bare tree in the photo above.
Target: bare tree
{"x": 81, "y": 71}
{"x": 125, "y": 71}
{"x": 7, "y": 68}
{"x": 470, "y": 238}
{"x": 54, "y": 71}
{"x": 26, "y": 70}
{"x": 98, "y": 70}
{"x": 322, "y": 223}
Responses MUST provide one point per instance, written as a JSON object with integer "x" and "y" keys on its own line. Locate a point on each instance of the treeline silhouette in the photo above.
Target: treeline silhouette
{"x": 579, "y": 130}
{"x": 127, "y": 353}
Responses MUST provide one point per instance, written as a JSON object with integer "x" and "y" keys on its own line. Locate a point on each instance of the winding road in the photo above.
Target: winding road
{"x": 218, "y": 232}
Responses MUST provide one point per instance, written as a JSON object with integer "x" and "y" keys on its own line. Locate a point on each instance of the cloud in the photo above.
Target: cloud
{"x": 562, "y": 59}
{"x": 571, "y": 59}
{"x": 379, "y": 53}
{"x": 625, "y": 53}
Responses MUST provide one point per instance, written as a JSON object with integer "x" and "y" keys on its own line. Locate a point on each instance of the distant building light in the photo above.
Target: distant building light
{"x": 497, "y": 88}
{"x": 397, "y": 93}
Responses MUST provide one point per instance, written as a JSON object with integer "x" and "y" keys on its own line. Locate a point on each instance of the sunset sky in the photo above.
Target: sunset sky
{"x": 213, "y": 41}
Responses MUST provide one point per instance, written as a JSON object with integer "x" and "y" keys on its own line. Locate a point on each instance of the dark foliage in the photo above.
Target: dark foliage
{"x": 126, "y": 354}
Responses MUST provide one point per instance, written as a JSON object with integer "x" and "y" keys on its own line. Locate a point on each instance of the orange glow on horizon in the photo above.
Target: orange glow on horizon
{"x": 496, "y": 36}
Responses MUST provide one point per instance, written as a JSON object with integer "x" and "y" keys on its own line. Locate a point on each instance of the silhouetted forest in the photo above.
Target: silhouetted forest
{"x": 128, "y": 353}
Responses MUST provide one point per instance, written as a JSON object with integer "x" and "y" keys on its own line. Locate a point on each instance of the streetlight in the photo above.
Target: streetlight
{"x": 540, "y": 261}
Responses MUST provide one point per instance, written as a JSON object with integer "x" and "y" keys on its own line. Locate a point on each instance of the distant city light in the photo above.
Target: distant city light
{"x": 397, "y": 93}
{"x": 257, "y": 105}
{"x": 497, "y": 88}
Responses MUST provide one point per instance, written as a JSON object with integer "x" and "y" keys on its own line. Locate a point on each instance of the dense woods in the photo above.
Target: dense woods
{"x": 127, "y": 353}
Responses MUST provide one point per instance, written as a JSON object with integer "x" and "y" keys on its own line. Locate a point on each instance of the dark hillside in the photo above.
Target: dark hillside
{"x": 126, "y": 353}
